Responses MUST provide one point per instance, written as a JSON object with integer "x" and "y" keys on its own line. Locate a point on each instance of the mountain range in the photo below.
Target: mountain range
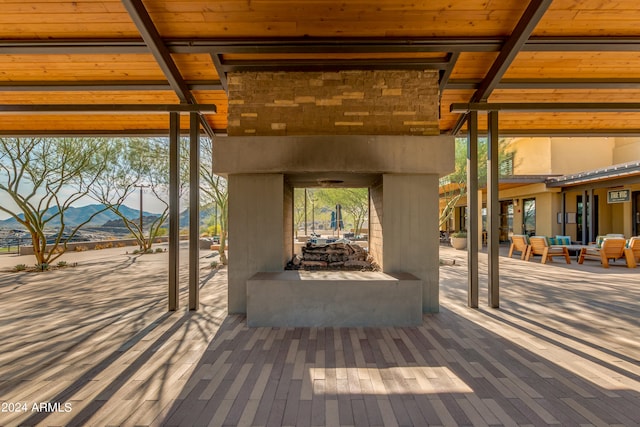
{"x": 77, "y": 215}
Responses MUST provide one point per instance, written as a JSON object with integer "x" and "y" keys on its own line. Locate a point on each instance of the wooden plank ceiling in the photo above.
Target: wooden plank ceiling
{"x": 173, "y": 51}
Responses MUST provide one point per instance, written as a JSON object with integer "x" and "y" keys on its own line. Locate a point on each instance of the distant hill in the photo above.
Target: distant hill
{"x": 205, "y": 213}
{"x": 146, "y": 220}
{"x": 77, "y": 215}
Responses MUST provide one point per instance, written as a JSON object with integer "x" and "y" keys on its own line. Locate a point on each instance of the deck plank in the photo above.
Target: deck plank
{"x": 554, "y": 353}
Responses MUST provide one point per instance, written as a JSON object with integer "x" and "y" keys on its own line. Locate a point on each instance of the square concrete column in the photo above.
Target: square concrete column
{"x": 410, "y": 227}
{"x": 256, "y": 230}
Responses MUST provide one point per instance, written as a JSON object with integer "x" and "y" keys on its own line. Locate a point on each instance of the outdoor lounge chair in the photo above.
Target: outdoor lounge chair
{"x": 538, "y": 245}
{"x": 632, "y": 251}
{"x": 519, "y": 244}
{"x": 612, "y": 248}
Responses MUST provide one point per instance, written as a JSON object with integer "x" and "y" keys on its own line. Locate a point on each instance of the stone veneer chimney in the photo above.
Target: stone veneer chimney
{"x": 387, "y": 102}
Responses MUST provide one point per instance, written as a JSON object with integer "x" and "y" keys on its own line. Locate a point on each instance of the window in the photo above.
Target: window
{"x": 506, "y": 165}
{"x": 529, "y": 216}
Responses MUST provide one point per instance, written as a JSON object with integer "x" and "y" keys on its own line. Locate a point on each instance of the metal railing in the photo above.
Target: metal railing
{"x": 11, "y": 243}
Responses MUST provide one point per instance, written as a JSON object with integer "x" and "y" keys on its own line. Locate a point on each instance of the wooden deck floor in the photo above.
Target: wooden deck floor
{"x": 97, "y": 343}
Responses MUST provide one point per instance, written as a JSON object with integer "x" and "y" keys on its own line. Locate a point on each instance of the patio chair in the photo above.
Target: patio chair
{"x": 519, "y": 244}
{"x": 538, "y": 245}
{"x": 612, "y": 248}
{"x": 632, "y": 251}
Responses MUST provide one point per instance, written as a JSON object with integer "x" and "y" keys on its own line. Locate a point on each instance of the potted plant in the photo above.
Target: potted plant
{"x": 459, "y": 240}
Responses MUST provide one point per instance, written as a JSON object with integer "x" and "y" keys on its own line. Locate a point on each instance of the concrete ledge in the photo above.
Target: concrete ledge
{"x": 333, "y": 298}
{"x": 359, "y": 154}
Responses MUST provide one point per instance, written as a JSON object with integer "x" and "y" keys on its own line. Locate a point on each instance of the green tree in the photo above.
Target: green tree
{"x": 453, "y": 187}
{"x": 141, "y": 162}
{"x": 354, "y": 202}
{"x": 43, "y": 178}
{"x": 299, "y": 209}
{"x": 215, "y": 190}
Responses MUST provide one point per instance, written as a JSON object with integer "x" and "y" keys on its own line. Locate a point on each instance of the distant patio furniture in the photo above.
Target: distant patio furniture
{"x": 574, "y": 249}
{"x": 632, "y": 251}
{"x": 538, "y": 245}
{"x": 519, "y": 244}
{"x": 612, "y": 248}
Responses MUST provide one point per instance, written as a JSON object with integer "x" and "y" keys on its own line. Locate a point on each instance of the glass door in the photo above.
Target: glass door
{"x": 529, "y": 216}
{"x": 636, "y": 213}
{"x": 506, "y": 220}
{"x": 586, "y": 209}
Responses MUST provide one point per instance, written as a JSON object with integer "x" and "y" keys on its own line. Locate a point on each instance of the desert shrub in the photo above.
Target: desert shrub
{"x": 81, "y": 248}
{"x": 20, "y": 267}
{"x": 42, "y": 267}
{"x": 62, "y": 264}
{"x": 158, "y": 250}
{"x": 214, "y": 264}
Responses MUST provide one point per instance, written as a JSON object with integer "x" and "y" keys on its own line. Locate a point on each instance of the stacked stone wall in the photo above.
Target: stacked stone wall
{"x": 381, "y": 102}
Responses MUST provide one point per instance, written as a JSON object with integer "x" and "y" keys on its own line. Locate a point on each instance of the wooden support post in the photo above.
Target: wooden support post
{"x": 194, "y": 210}
{"x": 174, "y": 210}
{"x": 472, "y": 209}
{"x": 493, "y": 213}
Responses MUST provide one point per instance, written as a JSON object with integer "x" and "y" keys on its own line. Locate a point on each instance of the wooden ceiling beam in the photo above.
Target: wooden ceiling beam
{"x": 107, "y": 108}
{"x": 216, "y": 58}
{"x": 305, "y": 45}
{"x": 161, "y": 53}
{"x": 445, "y": 74}
{"x": 582, "y": 44}
{"x": 519, "y": 84}
{"x": 527, "y": 23}
{"x": 90, "y": 133}
{"x": 103, "y": 85}
{"x": 521, "y": 33}
{"x": 547, "y": 107}
{"x": 578, "y": 132}
{"x": 334, "y": 64}
{"x": 156, "y": 45}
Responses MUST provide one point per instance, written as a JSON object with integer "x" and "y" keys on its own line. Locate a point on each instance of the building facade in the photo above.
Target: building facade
{"x": 578, "y": 187}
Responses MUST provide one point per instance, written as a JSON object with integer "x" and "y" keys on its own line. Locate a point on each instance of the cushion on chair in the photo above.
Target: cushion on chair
{"x": 546, "y": 239}
{"x": 631, "y": 240}
{"x": 599, "y": 240}
{"x": 592, "y": 252}
{"x": 552, "y": 241}
{"x": 563, "y": 240}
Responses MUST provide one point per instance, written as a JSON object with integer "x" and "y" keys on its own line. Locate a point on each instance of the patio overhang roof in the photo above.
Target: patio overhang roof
{"x": 543, "y": 54}
{"x": 621, "y": 173}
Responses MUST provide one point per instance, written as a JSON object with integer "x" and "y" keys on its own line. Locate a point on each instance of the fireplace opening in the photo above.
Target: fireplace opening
{"x": 331, "y": 228}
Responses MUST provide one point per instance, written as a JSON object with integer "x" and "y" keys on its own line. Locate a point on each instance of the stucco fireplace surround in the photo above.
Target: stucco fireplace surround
{"x": 402, "y": 175}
